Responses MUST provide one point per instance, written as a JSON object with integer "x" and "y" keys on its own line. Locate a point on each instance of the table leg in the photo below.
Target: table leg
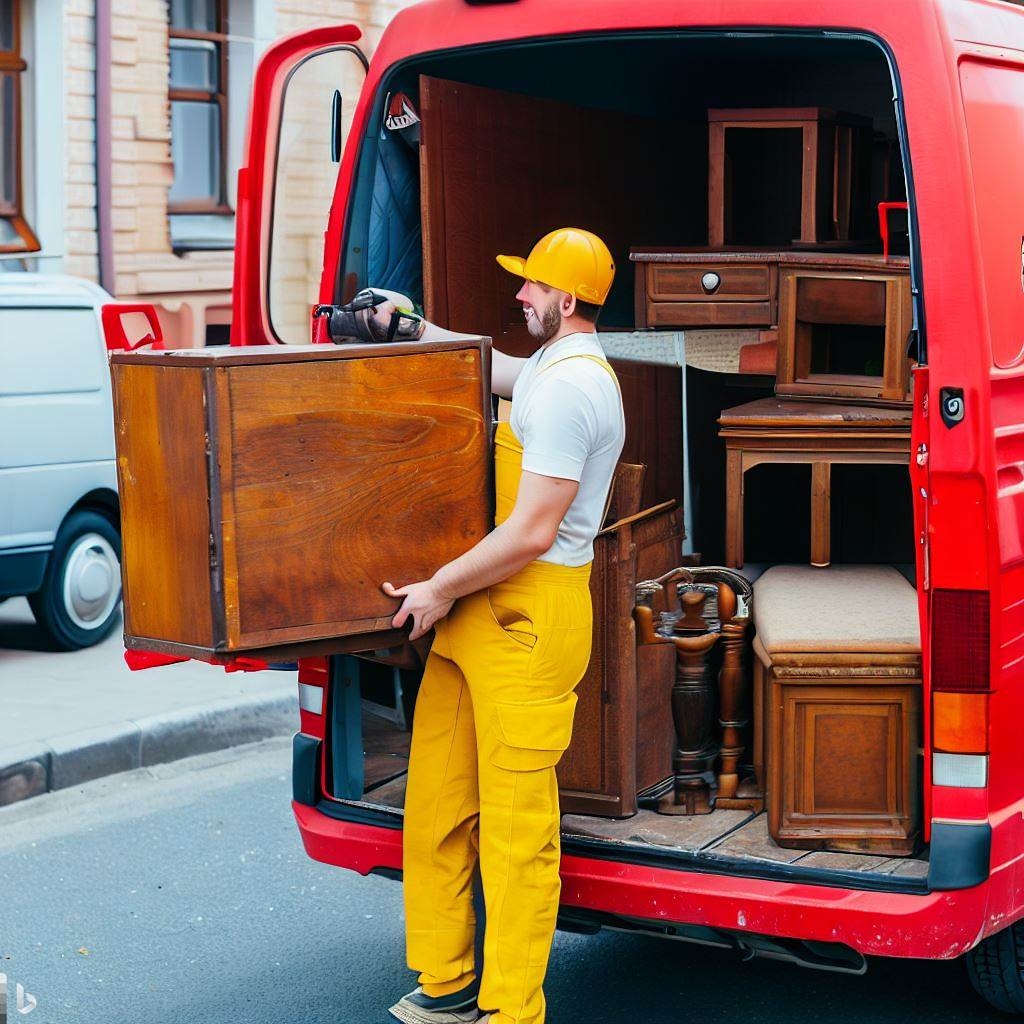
{"x": 734, "y": 509}
{"x": 821, "y": 513}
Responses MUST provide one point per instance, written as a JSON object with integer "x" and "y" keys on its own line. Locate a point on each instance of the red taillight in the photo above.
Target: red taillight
{"x": 960, "y": 641}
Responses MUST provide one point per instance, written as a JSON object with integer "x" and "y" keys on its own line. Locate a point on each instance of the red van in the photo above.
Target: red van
{"x": 335, "y": 191}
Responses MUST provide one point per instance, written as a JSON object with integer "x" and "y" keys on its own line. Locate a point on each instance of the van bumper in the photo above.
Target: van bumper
{"x": 937, "y": 925}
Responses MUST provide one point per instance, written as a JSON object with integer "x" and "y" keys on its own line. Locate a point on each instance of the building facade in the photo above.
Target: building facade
{"x": 122, "y": 126}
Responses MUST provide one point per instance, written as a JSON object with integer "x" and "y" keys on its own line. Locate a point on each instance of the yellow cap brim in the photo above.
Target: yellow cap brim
{"x": 513, "y": 264}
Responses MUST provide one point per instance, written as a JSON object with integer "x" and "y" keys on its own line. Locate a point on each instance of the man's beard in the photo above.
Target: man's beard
{"x": 544, "y": 326}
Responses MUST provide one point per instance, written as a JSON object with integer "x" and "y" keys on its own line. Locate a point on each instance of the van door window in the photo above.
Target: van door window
{"x": 304, "y": 184}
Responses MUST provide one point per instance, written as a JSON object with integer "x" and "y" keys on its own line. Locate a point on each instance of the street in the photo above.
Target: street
{"x": 181, "y": 892}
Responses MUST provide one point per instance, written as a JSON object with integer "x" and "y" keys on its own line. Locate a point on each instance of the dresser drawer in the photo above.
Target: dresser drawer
{"x": 700, "y": 282}
{"x": 710, "y": 314}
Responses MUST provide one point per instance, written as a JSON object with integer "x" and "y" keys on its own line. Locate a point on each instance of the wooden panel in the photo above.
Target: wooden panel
{"x": 323, "y": 462}
{"x": 622, "y": 736}
{"x": 486, "y": 191}
{"x": 738, "y": 282}
{"x": 653, "y": 402}
{"x": 842, "y": 761}
{"x": 838, "y": 301}
{"x": 710, "y": 314}
{"x": 160, "y": 428}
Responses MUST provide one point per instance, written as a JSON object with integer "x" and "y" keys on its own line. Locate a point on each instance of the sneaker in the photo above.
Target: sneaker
{"x": 456, "y": 1008}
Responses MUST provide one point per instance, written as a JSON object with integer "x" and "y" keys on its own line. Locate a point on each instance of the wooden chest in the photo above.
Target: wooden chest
{"x": 839, "y": 669}
{"x": 266, "y": 493}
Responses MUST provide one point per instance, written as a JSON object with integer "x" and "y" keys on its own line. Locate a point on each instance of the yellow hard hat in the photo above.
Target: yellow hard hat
{"x": 570, "y": 259}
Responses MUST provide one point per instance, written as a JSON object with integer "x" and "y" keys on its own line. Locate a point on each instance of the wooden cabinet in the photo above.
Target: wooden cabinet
{"x": 843, "y": 334}
{"x": 843, "y": 752}
{"x": 623, "y": 737}
{"x": 266, "y": 493}
{"x": 705, "y": 292}
{"x": 783, "y": 175}
{"x": 803, "y": 292}
{"x": 839, "y": 669}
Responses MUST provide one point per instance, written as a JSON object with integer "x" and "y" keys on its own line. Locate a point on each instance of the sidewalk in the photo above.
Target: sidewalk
{"x": 68, "y": 717}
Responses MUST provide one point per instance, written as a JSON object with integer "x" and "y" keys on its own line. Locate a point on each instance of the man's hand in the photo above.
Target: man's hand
{"x": 381, "y": 314}
{"x": 423, "y": 601}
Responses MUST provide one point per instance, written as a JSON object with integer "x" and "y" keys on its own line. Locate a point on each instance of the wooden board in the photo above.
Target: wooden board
{"x": 499, "y": 170}
{"x": 648, "y": 828}
{"x": 267, "y": 494}
{"x": 622, "y": 735}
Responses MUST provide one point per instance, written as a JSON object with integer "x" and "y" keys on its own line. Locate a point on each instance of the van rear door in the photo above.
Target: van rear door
{"x": 304, "y": 96}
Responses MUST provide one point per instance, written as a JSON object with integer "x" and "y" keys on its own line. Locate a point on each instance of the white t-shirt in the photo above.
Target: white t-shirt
{"x": 568, "y": 417}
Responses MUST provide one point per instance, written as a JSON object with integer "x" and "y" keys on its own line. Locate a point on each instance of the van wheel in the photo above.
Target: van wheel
{"x": 996, "y": 969}
{"x": 77, "y": 603}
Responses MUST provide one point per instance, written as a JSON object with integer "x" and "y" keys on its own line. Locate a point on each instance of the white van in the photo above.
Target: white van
{"x": 60, "y": 540}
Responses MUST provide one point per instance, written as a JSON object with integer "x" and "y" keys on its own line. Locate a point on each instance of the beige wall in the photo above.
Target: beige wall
{"x": 80, "y": 242}
{"x": 192, "y": 289}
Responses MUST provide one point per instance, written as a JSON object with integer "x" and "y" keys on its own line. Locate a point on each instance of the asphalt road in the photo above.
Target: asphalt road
{"x": 181, "y": 893}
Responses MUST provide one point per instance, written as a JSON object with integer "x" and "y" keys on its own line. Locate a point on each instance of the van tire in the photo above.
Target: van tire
{"x": 79, "y": 609}
{"x": 996, "y": 969}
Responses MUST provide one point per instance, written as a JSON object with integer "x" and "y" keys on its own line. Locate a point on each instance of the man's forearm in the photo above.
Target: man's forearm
{"x": 499, "y": 555}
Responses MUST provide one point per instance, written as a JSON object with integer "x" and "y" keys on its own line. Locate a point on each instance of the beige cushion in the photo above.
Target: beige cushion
{"x": 838, "y": 608}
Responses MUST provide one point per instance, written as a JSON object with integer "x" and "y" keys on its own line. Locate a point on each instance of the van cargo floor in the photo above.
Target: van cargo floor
{"x": 721, "y": 835}
{"x": 726, "y": 835}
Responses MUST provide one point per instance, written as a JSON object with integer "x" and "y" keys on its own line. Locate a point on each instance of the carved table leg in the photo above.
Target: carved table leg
{"x": 693, "y": 714}
{"x": 733, "y": 708}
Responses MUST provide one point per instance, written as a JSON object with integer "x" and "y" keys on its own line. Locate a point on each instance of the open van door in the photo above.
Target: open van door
{"x": 304, "y": 95}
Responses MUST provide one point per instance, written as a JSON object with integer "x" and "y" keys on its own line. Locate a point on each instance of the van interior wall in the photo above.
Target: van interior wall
{"x": 612, "y": 134}
{"x": 615, "y": 140}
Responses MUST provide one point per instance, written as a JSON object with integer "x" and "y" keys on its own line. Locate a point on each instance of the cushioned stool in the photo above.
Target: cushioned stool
{"x": 839, "y": 671}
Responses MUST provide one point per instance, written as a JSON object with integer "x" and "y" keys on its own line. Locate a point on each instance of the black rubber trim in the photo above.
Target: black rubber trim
{"x": 306, "y": 770}
{"x": 672, "y": 860}
{"x": 959, "y": 855}
{"x": 22, "y": 572}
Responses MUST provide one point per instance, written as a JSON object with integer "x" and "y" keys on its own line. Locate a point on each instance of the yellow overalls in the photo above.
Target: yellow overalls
{"x": 493, "y": 717}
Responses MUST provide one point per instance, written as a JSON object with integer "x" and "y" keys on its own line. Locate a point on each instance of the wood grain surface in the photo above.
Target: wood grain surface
{"x": 160, "y": 430}
{"x": 269, "y": 494}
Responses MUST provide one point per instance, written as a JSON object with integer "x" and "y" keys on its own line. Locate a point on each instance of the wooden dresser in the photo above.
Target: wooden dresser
{"x": 266, "y": 493}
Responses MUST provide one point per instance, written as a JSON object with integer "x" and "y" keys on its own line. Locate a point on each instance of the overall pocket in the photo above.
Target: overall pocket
{"x": 510, "y": 609}
{"x": 532, "y": 735}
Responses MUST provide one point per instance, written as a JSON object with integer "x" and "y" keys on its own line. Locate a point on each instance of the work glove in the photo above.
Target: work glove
{"x": 359, "y": 321}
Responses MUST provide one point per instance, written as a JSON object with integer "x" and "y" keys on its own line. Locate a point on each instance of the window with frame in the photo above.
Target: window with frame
{"x": 198, "y": 96}
{"x": 15, "y": 234}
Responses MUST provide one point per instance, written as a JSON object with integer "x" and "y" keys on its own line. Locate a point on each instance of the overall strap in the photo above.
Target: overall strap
{"x": 585, "y": 355}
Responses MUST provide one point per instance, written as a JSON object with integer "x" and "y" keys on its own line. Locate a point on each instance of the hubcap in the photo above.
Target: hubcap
{"x": 92, "y": 581}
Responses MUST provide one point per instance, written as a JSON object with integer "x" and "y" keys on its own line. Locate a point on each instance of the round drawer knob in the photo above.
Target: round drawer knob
{"x": 710, "y": 282}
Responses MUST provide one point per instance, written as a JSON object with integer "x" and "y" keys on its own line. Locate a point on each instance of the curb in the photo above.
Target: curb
{"x": 32, "y": 769}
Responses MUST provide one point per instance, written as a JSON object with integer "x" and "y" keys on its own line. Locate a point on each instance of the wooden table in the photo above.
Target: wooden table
{"x": 819, "y": 433}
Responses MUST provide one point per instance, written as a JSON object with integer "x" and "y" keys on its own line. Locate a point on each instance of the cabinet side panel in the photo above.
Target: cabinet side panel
{"x": 161, "y": 469}
{"x": 349, "y": 473}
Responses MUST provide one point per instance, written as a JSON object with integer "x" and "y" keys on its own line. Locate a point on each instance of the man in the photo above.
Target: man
{"x": 513, "y": 635}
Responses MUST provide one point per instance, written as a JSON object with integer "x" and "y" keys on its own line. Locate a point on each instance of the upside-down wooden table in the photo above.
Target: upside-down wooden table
{"x": 820, "y": 433}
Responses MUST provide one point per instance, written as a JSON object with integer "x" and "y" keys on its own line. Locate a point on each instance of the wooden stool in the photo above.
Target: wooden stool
{"x": 819, "y": 433}
{"x": 839, "y": 665}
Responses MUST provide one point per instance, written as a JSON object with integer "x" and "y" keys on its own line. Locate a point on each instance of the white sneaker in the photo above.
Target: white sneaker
{"x": 457, "y": 1008}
